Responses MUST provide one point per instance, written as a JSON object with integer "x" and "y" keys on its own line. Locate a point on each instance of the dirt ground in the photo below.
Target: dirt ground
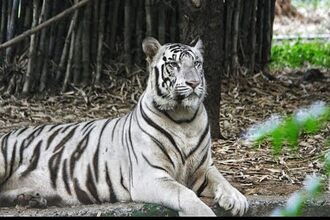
{"x": 253, "y": 170}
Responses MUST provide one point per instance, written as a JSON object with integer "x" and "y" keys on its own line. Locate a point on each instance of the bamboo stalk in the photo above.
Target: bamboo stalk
{"x": 161, "y": 22}
{"x": 29, "y": 77}
{"x": 3, "y": 26}
{"x": 69, "y": 64}
{"x": 76, "y": 66}
{"x": 173, "y": 26}
{"x": 41, "y": 59}
{"x": 94, "y": 28}
{"x": 235, "y": 63}
{"x": 66, "y": 45}
{"x": 147, "y": 6}
{"x": 100, "y": 43}
{"x": 253, "y": 35}
{"x": 43, "y": 25}
{"x": 86, "y": 44}
{"x": 44, "y": 47}
{"x": 127, "y": 34}
{"x": 12, "y": 29}
{"x": 9, "y": 9}
{"x": 114, "y": 26}
{"x": 52, "y": 32}
{"x": 27, "y": 22}
{"x": 3, "y": 21}
{"x": 260, "y": 32}
{"x": 139, "y": 32}
{"x": 228, "y": 34}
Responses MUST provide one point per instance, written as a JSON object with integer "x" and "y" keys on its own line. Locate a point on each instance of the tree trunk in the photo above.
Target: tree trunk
{"x": 194, "y": 23}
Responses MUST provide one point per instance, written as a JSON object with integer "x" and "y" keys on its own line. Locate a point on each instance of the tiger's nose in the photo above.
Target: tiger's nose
{"x": 193, "y": 83}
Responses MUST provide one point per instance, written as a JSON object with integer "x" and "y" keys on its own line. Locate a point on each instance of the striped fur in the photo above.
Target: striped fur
{"x": 160, "y": 152}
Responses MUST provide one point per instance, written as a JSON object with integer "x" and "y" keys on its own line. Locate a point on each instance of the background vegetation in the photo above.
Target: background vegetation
{"x": 299, "y": 54}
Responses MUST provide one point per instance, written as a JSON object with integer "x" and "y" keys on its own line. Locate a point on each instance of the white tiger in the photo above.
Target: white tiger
{"x": 158, "y": 153}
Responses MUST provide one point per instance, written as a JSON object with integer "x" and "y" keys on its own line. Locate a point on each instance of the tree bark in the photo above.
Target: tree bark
{"x": 194, "y": 23}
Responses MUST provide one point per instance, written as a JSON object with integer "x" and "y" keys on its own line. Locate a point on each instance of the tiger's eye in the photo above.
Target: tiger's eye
{"x": 197, "y": 63}
{"x": 173, "y": 64}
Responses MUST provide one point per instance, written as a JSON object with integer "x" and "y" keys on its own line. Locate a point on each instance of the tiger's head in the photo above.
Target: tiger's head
{"x": 176, "y": 74}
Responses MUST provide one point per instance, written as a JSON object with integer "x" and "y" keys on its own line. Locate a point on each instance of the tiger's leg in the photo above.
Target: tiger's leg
{"x": 227, "y": 196}
{"x": 168, "y": 192}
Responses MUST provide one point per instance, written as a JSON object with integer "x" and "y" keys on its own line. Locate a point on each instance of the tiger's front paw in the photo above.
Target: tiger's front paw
{"x": 30, "y": 201}
{"x": 230, "y": 198}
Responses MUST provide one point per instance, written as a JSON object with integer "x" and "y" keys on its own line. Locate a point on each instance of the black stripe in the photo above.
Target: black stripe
{"x": 65, "y": 139}
{"x": 12, "y": 161}
{"x": 53, "y": 166}
{"x": 157, "y": 127}
{"x": 113, "y": 129}
{"x": 39, "y": 129}
{"x": 124, "y": 140}
{"x": 152, "y": 165}
{"x": 201, "y": 162}
{"x": 65, "y": 177}
{"x": 21, "y": 131}
{"x": 28, "y": 140}
{"x": 201, "y": 138}
{"x": 174, "y": 46}
{"x": 51, "y": 138}
{"x": 76, "y": 154}
{"x": 91, "y": 185}
{"x": 55, "y": 159}
{"x": 96, "y": 154}
{"x": 53, "y": 126}
{"x": 81, "y": 194}
{"x": 113, "y": 197}
{"x": 159, "y": 92}
{"x": 34, "y": 160}
{"x": 67, "y": 126}
{"x": 158, "y": 143}
{"x": 202, "y": 187}
{"x": 87, "y": 125}
{"x": 130, "y": 137}
{"x": 122, "y": 180}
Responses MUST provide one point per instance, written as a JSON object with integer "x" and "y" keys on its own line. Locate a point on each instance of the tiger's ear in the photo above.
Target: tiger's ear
{"x": 150, "y": 47}
{"x": 197, "y": 43}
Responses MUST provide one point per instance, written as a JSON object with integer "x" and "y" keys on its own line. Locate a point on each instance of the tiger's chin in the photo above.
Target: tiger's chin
{"x": 192, "y": 102}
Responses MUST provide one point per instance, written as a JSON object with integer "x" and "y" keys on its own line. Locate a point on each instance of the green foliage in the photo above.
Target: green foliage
{"x": 288, "y": 132}
{"x": 295, "y": 55}
{"x": 314, "y": 4}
